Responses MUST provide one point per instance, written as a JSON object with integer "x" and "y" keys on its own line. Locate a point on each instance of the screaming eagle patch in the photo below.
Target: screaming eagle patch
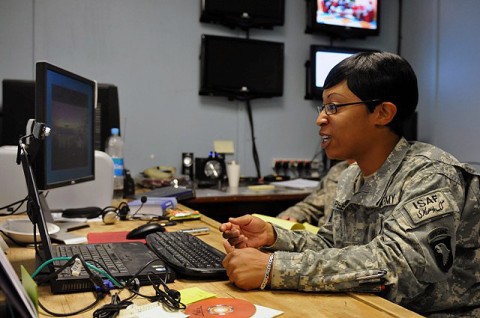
{"x": 440, "y": 243}
{"x": 430, "y": 206}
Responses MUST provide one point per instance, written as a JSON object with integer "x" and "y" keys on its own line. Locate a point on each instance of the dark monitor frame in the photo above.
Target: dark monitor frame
{"x": 241, "y": 69}
{"x": 67, "y": 156}
{"x": 313, "y": 72}
{"x": 18, "y": 106}
{"x": 244, "y": 14}
{"x": 335, "y": 29}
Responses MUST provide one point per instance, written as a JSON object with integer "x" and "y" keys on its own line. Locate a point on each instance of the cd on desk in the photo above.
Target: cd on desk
{"x": 221, "y": 307}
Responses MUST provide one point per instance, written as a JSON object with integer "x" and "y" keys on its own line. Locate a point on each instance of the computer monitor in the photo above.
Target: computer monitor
{"x": 244, "y": 14}
{"x": 107, "y": 113}
{"x": 19, "y": 107}
{"x": 65, "y": 102}
{"x": 241, "y": 68}
{"x": 18, "y": 100}
{"x": 322, "y": 60}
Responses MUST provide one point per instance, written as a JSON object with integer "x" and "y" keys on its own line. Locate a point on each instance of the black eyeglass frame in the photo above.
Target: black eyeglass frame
{"x": 331, "y": 108}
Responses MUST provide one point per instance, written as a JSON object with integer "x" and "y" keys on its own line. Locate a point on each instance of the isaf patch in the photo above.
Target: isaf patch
{"x": 440, "y": 244}
{"x": 429, "y": 206}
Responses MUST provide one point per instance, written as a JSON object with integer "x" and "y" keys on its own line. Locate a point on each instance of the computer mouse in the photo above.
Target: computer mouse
{"x": 143, "y": 230}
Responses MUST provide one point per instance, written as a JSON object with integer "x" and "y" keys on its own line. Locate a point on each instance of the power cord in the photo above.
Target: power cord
{"x": 10, "y": 207}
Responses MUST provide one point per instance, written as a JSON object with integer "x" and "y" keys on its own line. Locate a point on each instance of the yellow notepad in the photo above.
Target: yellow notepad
{"x": 194, "y": 294}
{"x": 289, "y": 225}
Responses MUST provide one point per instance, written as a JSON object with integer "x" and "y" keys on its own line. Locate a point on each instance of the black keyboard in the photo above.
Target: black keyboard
{"x": 187, "y": 255}
{"x": 102, "y": 253}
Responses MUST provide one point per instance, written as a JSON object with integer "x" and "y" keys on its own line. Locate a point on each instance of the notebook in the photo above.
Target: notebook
{"x": 132, "y": 256}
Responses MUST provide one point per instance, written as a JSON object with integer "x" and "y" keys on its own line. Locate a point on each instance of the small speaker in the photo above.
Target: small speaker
{"x": 187, "y": 164}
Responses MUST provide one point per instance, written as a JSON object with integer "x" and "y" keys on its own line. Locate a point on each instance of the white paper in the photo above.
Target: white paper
{"x": 297, "y": 184}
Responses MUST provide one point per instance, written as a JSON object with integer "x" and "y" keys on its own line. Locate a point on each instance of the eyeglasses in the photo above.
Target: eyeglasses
{"x": 331, "y": 108}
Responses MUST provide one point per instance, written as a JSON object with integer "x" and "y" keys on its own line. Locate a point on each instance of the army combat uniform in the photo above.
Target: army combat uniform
{"x": 317, "y": 206}
{"x": 409, "y": 231}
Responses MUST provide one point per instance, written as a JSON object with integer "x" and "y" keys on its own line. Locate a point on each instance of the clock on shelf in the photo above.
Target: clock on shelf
{"x": 210, "y": 171}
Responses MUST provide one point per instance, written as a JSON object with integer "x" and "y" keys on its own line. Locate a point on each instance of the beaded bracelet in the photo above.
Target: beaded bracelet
{"x": 267, "y": 272}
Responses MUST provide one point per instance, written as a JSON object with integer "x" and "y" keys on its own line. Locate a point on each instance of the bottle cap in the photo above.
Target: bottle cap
{"x": 115, "y": 131}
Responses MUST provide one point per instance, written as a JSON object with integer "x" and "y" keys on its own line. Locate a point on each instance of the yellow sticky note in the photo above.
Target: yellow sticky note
{"x": 194, "y": 294}
{"x": 30, "y": 286}
{"x": 223, "y": 146}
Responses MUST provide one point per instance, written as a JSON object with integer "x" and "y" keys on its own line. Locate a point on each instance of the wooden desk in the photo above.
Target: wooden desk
{"x": 292, "y": 303}
{"x": 225, "y": 203}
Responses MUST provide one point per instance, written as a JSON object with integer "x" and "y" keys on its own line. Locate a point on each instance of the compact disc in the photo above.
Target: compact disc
{"x": 221, "y": 307}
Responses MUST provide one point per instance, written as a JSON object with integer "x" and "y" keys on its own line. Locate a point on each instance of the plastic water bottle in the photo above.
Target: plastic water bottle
{"x": 114, "y": 148}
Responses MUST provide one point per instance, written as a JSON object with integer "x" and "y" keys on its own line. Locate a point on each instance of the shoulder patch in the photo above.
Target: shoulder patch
{"x": 429, "y": 206}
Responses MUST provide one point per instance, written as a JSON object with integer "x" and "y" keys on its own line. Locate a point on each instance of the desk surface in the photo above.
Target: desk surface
{"x": 292, "y": 303}
{"x": 247, "y": 194}
{"x": 221, "y": 204}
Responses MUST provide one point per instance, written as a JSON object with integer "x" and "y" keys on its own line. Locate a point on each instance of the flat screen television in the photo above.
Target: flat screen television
{"x": 65, "y": 102}
{"x": 343, "y": 19}
{"x": 244, "y": 14}
{"x": 322, "y": 60}
{"x": 240, "y": 68}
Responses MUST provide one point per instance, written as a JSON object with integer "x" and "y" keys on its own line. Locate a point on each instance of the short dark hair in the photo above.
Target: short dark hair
{"x": 379, "y": 75}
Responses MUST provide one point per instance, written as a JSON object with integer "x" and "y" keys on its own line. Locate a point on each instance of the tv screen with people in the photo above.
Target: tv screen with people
{"x": 343, "y": 18}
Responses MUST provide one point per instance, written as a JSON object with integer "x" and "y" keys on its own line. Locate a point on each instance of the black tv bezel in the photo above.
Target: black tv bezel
{"x": 313, "y": 92}
{"x": 337, "y": 31}
{"x": 235, "y": 19}
{"x": 238, "y": 94}
{"x": 40, "y": 161}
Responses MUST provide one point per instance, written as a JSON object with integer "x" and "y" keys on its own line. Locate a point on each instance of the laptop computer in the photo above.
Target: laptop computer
{"x": 123, "y": 260}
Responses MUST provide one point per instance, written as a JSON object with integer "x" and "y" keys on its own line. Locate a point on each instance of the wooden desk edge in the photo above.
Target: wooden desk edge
{"x": 385, "y": 305}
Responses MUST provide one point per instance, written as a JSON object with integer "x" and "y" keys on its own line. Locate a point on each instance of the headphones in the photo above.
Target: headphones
{"x": 111, "y": 213}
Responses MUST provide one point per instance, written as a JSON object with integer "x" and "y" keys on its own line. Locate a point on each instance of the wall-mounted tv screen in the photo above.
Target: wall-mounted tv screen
{"x": 244, "y": 14}
{"x": 322, "y": 60}
{"x": 241, "y": 68}
{"x": 344, "y": 19}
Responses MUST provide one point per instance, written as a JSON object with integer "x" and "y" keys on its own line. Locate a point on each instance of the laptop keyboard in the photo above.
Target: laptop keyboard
{"x": 101, "y": 253}
{"x": 187, "y": 254}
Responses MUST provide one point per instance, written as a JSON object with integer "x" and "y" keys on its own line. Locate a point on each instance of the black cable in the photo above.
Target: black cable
{"x": 256, "y": 159}
{"x": 400, "y": 18}
{"x": 113, "y": 309}
{"x": 9, "y": 206}
{"x": 94, "y": 278}
{"x": 97, "y": 300}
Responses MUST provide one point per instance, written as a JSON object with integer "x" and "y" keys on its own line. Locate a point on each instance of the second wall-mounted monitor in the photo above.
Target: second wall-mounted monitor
{"x": 244, "y": 14}
{"x": 240, "y": 68}
{"x": 343, "y": 19}
{"x": 322, "y": 60}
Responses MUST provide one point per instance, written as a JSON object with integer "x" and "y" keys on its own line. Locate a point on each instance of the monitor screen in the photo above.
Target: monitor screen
{"x": 65, "y": 102}
{"x": 244, "y": 13}
{"x": 241, "y": 68}
{"x": 322, "y": 60}
{"x": 344, "y": 19}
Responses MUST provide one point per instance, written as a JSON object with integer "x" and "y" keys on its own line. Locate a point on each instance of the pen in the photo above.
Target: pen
{"x": 377, "y": 274}
{"x": 196, "y": 231}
